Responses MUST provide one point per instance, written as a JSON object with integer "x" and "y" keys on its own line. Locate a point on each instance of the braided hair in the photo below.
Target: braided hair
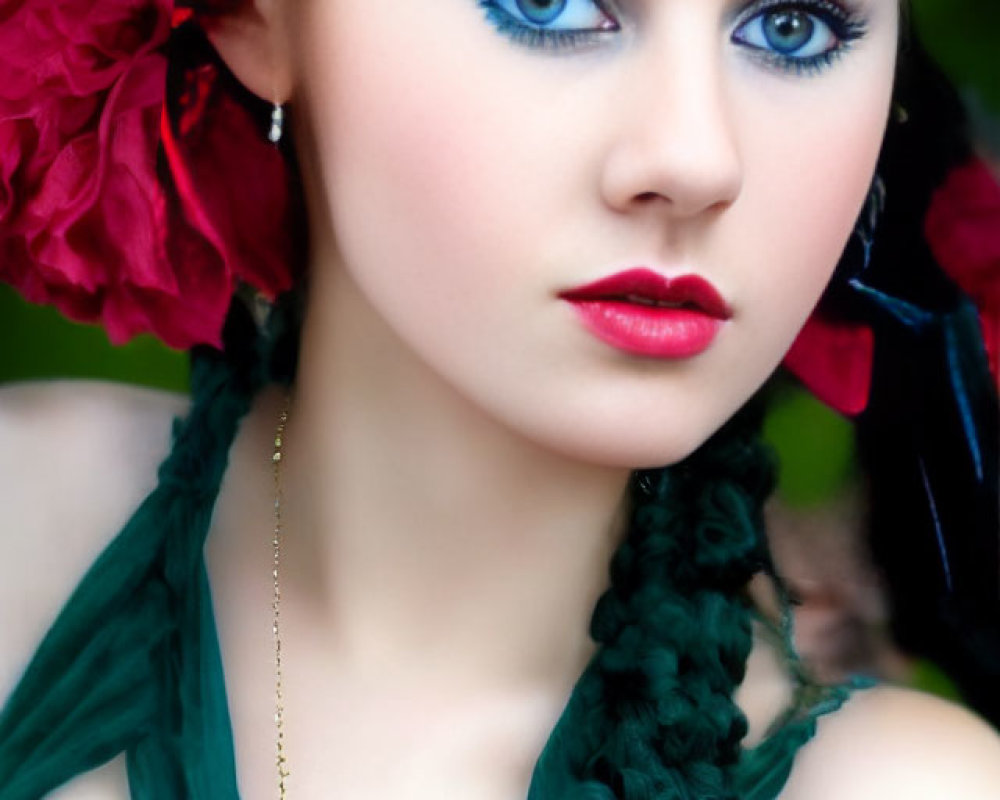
{"x": 653, "y": 715}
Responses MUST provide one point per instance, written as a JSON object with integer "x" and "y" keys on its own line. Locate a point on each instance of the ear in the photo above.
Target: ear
{"x": 251, "y": 41}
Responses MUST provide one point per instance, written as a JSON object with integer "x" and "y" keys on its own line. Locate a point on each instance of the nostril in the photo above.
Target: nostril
{"x": 651, "y": 197}
{"x": 705, "y": 206}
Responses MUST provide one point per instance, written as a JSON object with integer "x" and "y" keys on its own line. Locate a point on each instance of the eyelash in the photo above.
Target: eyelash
{"x": 847, "y": 26}
{"x": 542, "y": 38}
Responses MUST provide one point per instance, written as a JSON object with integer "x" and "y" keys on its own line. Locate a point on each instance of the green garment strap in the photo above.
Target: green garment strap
{"x": 132, "y": 663}
{"x": 763, "y": 770}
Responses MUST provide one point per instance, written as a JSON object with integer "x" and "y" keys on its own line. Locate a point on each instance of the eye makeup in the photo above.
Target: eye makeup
{"x": 581, "y": 24}
{"x": 510, "y": 17}
{"x": 842, "y": 26}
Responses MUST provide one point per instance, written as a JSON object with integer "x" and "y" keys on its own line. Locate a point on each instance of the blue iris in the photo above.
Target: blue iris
{"x": 788, "y": 31}
{"x": 791, "y": 35}
{"x": 541, "y": 12}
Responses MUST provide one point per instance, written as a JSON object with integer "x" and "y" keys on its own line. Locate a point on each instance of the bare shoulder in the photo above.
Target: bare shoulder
{"x": 890, "y": 741}
{"x": 76, "y": 458}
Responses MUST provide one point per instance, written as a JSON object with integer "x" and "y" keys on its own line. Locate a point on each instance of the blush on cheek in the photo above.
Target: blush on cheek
{"x": 820, "y": 194}
{"x": 423, "y": 154}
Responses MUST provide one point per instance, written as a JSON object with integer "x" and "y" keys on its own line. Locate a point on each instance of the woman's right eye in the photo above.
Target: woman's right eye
{"x": 552, "y": 24}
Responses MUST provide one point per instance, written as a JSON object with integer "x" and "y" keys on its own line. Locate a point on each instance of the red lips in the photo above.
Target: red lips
{"x": 643, "y": 313}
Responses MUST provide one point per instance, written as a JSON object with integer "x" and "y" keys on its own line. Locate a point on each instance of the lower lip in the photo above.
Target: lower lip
{"x": 648, "y": 330}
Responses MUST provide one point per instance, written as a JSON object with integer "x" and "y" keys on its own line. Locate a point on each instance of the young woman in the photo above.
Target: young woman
{"x": 553, "y": 247}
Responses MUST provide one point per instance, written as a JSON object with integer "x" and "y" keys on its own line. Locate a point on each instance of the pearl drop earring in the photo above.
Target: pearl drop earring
{"x": 277, "y": 123}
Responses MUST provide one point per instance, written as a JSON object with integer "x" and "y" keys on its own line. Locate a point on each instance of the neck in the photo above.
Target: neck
{"x": 424, "y": 537}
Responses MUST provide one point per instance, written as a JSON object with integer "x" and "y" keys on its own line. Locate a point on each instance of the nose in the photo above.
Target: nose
{"x": 673, "y": 144}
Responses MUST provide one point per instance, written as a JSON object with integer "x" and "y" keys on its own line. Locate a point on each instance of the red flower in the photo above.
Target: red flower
{"x": 962, "y": 227}
{"x": 86, "y": 223}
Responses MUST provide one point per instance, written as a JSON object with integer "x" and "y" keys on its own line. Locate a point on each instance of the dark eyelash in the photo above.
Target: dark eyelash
{"x": 537, "y": 38}
{"x": 838, "y": 12}
{"x": 811, "y": 65}
{"x": 848, "y": 26}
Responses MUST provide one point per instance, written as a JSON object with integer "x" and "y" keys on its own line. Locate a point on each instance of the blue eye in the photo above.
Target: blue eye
{"x": 541, "y": 12}
{"x": 549, "y": 23}
{"x": 799, "y": 36}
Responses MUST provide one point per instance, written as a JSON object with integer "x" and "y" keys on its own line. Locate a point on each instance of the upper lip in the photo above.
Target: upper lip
{"x": 643, "y": 286}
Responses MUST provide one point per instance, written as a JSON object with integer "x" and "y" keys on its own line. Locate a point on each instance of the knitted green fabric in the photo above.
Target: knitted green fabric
{"x": 133, "y": 664}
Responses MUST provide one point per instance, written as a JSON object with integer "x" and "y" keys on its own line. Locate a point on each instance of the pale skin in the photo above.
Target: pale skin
{"x": 458, "y": 444}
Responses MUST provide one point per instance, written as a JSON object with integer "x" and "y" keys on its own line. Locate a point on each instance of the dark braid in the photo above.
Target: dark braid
{"x": 653, "y": 715}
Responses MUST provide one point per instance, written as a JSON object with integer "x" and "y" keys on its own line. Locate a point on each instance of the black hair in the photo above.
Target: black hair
{"x": 929, "y": 437}
{"x": 941, "y": 557}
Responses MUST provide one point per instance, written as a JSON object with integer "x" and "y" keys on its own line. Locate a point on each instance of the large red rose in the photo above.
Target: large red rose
{"x": 88, "y": 223}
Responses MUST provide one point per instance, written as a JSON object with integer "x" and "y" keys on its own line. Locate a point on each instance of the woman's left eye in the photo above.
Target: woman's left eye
{"x": 797, "y": 35}
{"x": 549, "y": 23}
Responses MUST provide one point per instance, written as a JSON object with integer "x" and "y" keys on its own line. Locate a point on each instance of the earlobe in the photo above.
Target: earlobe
{"x": 251, "y": 43}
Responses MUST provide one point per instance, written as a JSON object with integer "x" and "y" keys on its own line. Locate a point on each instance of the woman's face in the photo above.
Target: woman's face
{"x": 479, "y": 160}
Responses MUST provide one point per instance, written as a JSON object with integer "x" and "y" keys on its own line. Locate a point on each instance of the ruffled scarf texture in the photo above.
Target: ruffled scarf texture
{"x": 133, "y": 663}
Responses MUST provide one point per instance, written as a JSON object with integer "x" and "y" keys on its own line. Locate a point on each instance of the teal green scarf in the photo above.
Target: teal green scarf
{"x": 133, "y": 664}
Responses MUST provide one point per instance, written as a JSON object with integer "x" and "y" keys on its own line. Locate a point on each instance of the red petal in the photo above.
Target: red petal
{"x": 834, "y": 361}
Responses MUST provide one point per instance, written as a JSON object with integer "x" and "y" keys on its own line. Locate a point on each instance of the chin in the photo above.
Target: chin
{"x": 640, "y": 444}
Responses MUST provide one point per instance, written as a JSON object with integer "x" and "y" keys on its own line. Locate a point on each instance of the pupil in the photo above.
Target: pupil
{"x": 541, "y": 12}
{"x": 788, "y": 31}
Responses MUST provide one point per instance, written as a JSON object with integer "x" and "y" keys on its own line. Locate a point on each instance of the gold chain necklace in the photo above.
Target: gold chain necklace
{"x": 279, "y": 696}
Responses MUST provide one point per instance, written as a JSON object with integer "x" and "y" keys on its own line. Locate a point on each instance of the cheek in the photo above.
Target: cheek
{"x": 809, "y": 181}
{"x": 449, "y": 202}
{"x": 416, "y": 165}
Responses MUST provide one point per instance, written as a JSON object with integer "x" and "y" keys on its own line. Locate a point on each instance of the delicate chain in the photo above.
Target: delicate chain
{"x": 279, "y": 696}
